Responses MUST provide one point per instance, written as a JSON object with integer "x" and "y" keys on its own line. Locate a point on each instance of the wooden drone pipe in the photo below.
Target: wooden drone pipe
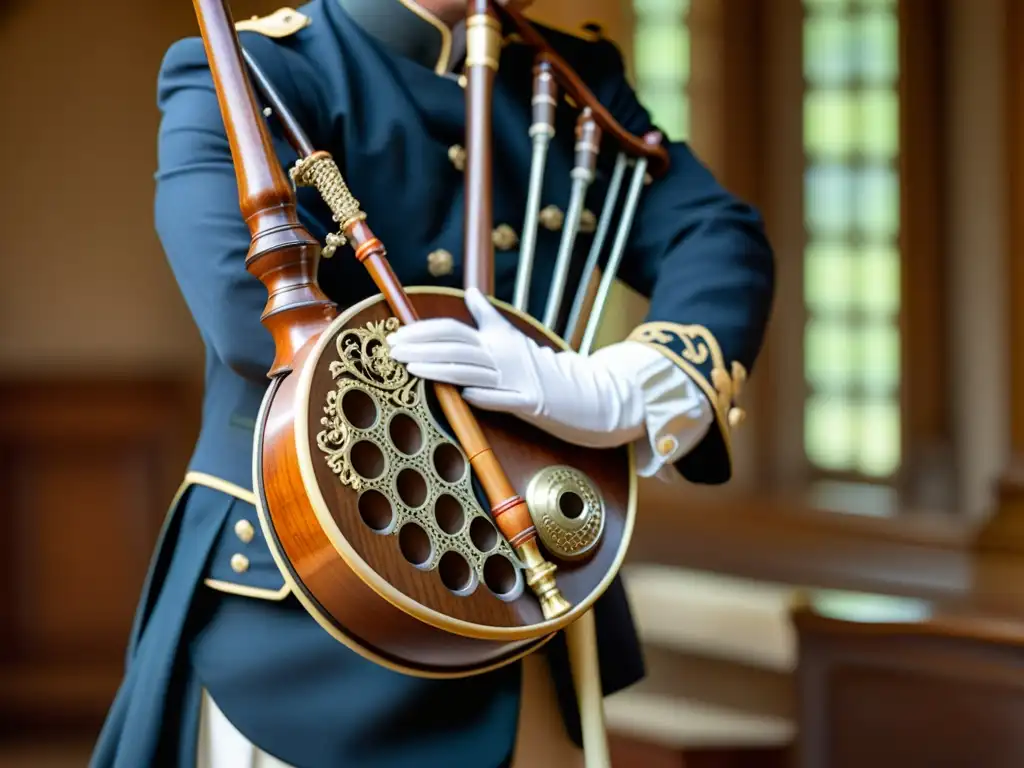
{"x": 283, "y": 255}
{"x": 483, "y": 50}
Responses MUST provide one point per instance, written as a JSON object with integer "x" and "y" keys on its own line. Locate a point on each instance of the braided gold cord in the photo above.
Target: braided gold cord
{"x": 319, "y": 170}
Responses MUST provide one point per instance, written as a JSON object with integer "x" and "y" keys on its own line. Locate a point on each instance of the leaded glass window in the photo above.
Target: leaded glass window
{"x": 661, "y": 62}
{"x": 852, "y": 260}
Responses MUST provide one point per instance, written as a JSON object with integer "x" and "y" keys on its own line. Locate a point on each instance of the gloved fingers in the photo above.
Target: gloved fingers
{"x": 442, "y": 352}
{"x": 504, "y": 400}
{"x": 482, "y": 310}
{"x": 434, "y": 329}
{"x": 454, "y": 373}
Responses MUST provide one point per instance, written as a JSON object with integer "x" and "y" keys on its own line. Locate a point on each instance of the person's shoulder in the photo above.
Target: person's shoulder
{"x": 268, "y": 39}
{"x": 587, "y": 49}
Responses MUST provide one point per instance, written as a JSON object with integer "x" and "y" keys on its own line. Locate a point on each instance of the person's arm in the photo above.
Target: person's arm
{"x": 702, "y": 257}
{"x": 198, "y": 219}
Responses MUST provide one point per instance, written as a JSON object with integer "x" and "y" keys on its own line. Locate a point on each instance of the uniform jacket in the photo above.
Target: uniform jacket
{"x": 215, "y": 612}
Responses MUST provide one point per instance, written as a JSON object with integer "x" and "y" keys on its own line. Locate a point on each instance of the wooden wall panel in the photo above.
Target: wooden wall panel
{"x": 943, "y": 692}
{"x": 1005, "y": 529}
{"x": 926, "y": 476}
{"x": 89, "y": 468}
{"x": 1014, "y": 480}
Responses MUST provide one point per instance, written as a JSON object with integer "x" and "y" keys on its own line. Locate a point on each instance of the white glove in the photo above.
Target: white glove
{"x": 581, "y": 400}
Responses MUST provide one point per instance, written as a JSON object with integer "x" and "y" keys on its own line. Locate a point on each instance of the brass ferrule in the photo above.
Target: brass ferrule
{"x": 483, "y": 41}
{"x": 540, "y": 576}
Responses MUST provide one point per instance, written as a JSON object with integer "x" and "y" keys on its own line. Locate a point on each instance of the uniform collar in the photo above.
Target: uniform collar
{"x": 406, "y": 29}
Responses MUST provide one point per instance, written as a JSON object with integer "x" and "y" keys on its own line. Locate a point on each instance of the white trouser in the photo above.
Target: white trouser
{"x": 541, "y": 741}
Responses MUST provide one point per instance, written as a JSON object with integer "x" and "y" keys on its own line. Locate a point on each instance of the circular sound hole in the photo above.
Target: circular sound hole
{"x": 359, "y": 408}
{"x": 571, "y": 505}
{"x": 454, "y": 571}
{"x": 367, "y": 459}
{"x": 375, "y": 510}
{"x": 406, "y": 434}
{"x": 483, "y": 534}
{"x": 499, "y": 575}
{"x": 449, "y": 463}
{"x": 415, "y": 544}
{"x": 449, "y": 514}
{"x": 412, "y": 488}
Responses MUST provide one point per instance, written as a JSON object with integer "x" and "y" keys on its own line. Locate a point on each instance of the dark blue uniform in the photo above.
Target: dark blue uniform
{"x": 215, "y": 613}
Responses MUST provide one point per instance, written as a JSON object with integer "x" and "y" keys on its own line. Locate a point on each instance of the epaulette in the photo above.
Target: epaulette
{"x": 281, "y": 23}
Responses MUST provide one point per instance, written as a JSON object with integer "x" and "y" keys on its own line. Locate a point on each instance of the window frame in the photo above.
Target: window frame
{"x": 754, "y": 67}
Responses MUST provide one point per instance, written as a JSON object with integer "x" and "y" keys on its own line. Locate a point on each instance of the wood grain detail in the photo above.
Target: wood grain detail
{"x": 349, "y": 601}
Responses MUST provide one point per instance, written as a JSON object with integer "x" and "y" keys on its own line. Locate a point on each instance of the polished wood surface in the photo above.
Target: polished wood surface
{"x": 346, "y": 600}
{"x": 479, "y": 170}
{"x": 284, "y": 257}
{"x": 342, "y": 599}
{"x": 522, "y": 451}
{"x": 282, "y": 254}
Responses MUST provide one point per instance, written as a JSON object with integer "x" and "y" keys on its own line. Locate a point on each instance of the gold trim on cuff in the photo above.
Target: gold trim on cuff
{"x": 699, "y": 347}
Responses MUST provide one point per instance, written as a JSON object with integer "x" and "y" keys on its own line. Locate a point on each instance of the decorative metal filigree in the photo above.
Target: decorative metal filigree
{"x": 566, "y": 537}
{"x": 365, "y": 365}
{"x": 363, "y": 354}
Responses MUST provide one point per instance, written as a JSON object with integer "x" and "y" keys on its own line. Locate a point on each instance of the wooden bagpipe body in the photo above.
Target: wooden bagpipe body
{"x": 433, "y": 539}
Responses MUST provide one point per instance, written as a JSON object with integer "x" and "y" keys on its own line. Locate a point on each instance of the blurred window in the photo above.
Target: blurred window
{"x": 661, "y": 63}
{"x": 852, "y": 217}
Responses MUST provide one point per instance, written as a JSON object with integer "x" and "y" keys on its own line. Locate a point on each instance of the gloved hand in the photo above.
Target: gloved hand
{"x": 586, "y": 401}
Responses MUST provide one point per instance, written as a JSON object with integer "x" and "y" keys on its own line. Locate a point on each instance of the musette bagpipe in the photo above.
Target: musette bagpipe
{"x": 428, "y": 537}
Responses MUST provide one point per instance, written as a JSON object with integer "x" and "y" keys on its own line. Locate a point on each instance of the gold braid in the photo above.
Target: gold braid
{"x": 319, "y": 170}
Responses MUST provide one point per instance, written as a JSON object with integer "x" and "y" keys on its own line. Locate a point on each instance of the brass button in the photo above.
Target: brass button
{"x": 462, "y": 81}
{"x": 551, "y": 218}
{"x": 736, "y": 417}
{"x": 588, "y": 222}
{"x": 440, "y": 262}
{"x": 666, "y": 445}
{"x": 504, "y": 238}
{"x": 648, "y": 179}
{"x": 239, "y": 563}
{"x": 458, "y": 157}
{"x": 739, "y": 378}
{"x": 244, "y": 531}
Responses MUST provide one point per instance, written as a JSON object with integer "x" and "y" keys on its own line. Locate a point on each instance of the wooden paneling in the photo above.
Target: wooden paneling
{"x": 926, "y": 471}
{"x": 1015, "y": 260}
{"x": 1006, "y": 528}
{"x": 89, "y": 468}
{"x": 937, "y": 693}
